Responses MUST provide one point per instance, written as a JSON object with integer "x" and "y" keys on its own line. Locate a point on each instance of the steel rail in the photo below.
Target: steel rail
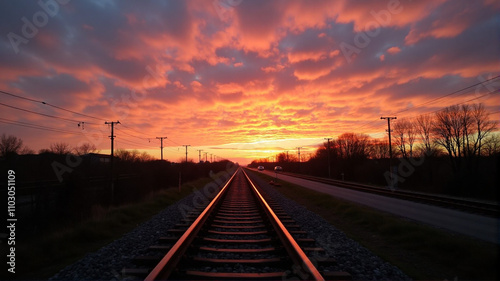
{"x": 298, "y": 256}
{"x": 484, "y": 208}
{"x": 169, "y": 262}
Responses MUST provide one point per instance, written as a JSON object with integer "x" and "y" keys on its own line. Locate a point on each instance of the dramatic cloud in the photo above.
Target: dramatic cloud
{"x": 237, "y": 78}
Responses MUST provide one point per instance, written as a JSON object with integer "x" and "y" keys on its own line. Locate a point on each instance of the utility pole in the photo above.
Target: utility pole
{"x": 211, "y": 158}
{"x": 329, "y": 165}
{"x": 161, "y": 145}
{"x": 199, "y": 155}
{"x": 206, "y": 153}
{"x": 287, "y": 156}
{"x": 186, "y": 145}
{"x": 390, "y": 147}
{"x": 298, "y": 148}
{"x": 112, "y": 137}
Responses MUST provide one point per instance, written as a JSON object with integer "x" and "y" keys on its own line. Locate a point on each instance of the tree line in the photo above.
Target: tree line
{"x": 455, "y": 142}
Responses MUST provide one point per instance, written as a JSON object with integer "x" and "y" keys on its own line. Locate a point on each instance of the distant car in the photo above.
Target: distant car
{"x": 260, "y": 168}
{"x": 278, "y": 169}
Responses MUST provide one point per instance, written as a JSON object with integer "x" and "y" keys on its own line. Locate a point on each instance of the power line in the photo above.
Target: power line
{"x": 134, "y": 136}
{"x": 438, "y": 98}
{"x": 146, "y": 138}
{"x": 175, "y": 142}
{"x": 127, "y": 127}
{"x": 473, "y": 99}
{"x": 43, "y": 114}
{"x": 34, "y": 126}
{"x": 447, "y": 95}
{"x": 72, "y": 120}
{"x": 135, "y": 143}
{"x": 51, "y": 105}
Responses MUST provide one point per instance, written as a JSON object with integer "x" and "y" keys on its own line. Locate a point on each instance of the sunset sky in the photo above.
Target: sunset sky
{"x": 241, "y": 79}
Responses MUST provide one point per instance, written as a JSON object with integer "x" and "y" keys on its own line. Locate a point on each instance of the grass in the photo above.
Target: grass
{"x": 422, "y": 252}
{"x": 42, "y": 257}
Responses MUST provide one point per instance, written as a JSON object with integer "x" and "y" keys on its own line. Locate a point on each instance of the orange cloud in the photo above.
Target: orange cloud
{"x": 393, "y": 50}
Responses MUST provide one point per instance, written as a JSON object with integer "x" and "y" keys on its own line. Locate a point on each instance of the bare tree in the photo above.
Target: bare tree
{"x": 60, "y": 148}
{"x": 282, "y": 157}
{"x": 405, "y": 134}
{"x": 379, "y": 149}
{"x": 27, "y": 150}
{"x": 424, "y": 129}
{"x": 352, "y": 146}
{"x": 10, "y": 145}
{"x": 482, "y": 124}
{"x": 144, "y": 157}
{"x": 85, "y": 148}
{"x": 133, "y": 155}
{"x": 491, "y": 145}
{"x": 461, "y": 131}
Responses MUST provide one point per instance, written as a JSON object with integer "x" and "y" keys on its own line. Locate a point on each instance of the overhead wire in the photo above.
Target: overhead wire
{"x": 51, "y": 105}
{"x": 467, "y": 89}
{"x": 34, "y": 126}
{"x": 450, "y": 94}
{"x": 46, "y": 115}
{"x": 460, "y": 103}
{"x": 12, "y": 122}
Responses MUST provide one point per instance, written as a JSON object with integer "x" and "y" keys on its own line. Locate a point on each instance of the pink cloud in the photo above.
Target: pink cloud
{"x": 393, "y": 50}
{"x": 392, "y": 13}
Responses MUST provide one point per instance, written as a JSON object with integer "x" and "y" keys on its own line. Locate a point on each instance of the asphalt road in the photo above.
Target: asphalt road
{"x": 481, "y": 227}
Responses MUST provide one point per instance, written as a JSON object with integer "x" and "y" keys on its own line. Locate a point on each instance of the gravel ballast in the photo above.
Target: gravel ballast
{"x": 350, "y": 255}
{"x": 107, "y": 262}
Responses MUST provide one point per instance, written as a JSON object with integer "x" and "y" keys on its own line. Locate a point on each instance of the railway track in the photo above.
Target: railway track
{"x": 238, "y": 235}
{"x": 476, "y": 207}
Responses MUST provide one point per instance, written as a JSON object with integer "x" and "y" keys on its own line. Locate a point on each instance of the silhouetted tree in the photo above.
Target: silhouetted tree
{"x": 491, "y": 145}
{"x": 10, "y": 145}
{"x": 460, "y": 130}
{"x": 60, "y": 148}
{"x": 352, "y": 146}
{"x": 85, "y": 148}
{"x": 424, "y": 127}
{"x": 378, "y": 149}
{"x": 133, "y": 156}
{"x": 404, "y": 137}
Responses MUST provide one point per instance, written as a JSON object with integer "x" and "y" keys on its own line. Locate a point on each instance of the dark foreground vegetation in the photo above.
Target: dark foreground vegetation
{"x": 57, "y": 189}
